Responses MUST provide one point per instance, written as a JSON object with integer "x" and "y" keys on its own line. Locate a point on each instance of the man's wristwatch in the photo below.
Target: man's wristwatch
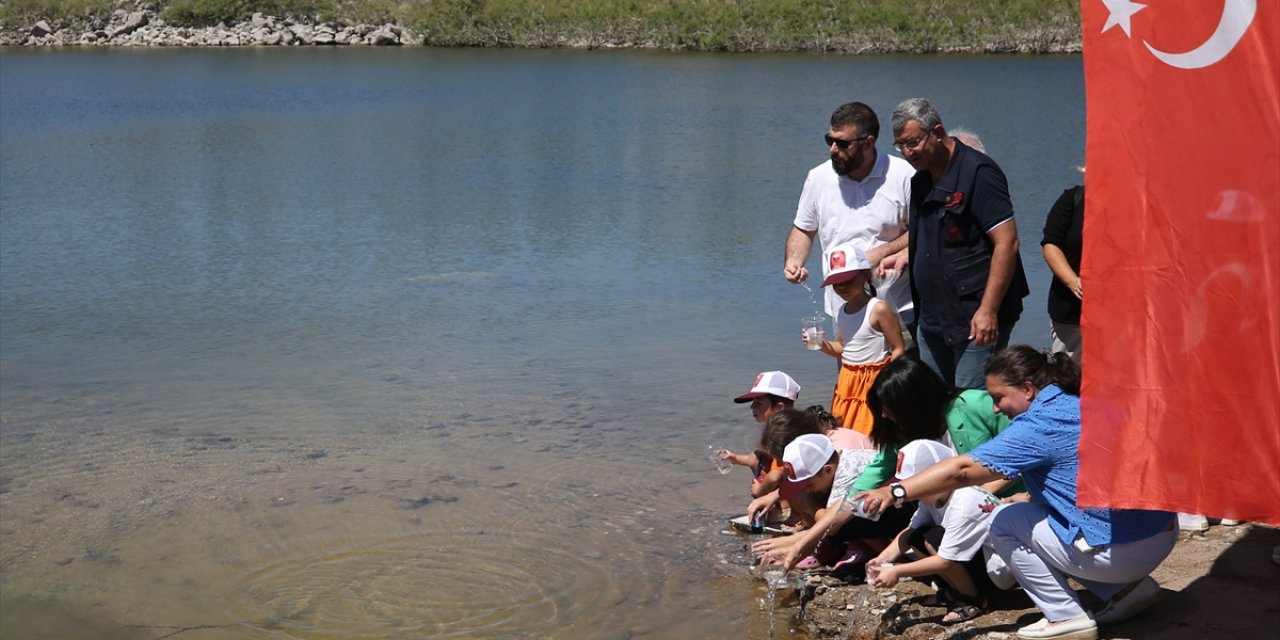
{"x": 899, "y": 494}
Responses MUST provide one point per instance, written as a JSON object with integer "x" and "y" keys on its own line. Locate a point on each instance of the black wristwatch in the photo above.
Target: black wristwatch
{"x": 899, "y": 494}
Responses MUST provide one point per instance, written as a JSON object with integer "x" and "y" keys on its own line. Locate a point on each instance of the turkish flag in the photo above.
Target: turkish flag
{"x": 1181, "y": 262}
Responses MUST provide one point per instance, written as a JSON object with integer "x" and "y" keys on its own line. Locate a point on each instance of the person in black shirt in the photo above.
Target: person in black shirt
{"x": 1061, "y": 245}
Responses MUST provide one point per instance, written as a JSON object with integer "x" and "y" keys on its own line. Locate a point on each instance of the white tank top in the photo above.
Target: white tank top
{"x": 863, "y": 344}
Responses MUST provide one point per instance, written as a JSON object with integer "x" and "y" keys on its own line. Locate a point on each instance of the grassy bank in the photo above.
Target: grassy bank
{"x": 725, "y": 25}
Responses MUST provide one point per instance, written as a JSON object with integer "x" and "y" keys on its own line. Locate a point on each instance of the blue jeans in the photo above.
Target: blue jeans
{"x": 961, "y": 364}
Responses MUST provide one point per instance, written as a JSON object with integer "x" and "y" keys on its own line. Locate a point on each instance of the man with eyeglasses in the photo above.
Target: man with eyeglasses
{"x": 860, "y": 196}
{"x": 965, "y": 272}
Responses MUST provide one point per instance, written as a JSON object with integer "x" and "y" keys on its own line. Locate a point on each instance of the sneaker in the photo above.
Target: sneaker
{"x": 1081, "y": 627}
{"x": 1192, "y": 522}
{"x": 854, "y": 556}
{"x": 1141, "y": 598}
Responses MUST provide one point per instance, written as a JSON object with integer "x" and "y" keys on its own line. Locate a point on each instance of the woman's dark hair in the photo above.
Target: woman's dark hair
{"x": 784, "y": 426}
{"x": 917, "y": 398}
{"x": 1021, "y": 363}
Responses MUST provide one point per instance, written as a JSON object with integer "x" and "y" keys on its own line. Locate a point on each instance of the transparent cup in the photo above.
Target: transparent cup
{"x": 858, "y": 509}
{"x": 874, "y": 571}
{"x": 815, "y": 331}
{"x": 717, "y": 457}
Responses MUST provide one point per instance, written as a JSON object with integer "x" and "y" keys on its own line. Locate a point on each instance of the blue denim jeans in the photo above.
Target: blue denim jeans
{"x": 960, "y": 364}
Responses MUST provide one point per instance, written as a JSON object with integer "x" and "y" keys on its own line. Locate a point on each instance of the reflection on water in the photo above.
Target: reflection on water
{"x": 418, "y": 343}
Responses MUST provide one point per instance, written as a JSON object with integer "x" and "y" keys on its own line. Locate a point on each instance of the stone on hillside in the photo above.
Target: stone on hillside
{"x": 383, "y": 37}
{"x": 323, "y": 37}
{"x": 407, "y": 36}
{"x": 135, "y": 21}
{"x": 258, "y": 20}
{"x": 41, "y": 28}
{"x": 271, "y": 39}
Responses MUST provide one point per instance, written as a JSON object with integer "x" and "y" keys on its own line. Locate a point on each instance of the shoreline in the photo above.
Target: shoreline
{"x": 146, "y": 28}
{"x": 1217, "y": 583}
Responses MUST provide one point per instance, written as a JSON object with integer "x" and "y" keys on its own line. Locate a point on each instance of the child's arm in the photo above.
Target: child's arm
{"x": 895, "y": 549}
{"x": 833, "y": 348}
{"x": 744, "y": 459}
{"x": 762, "y": 505}
{"x": 885, "y": 320}
{"x": 932, "y": 565}
{"x": 767, "y": 483}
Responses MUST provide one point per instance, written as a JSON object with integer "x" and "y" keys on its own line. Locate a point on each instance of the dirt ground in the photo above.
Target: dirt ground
{"x": 1221, "y": 583}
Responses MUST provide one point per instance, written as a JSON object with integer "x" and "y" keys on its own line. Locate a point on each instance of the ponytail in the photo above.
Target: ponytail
{"x": 1019, "y": 364}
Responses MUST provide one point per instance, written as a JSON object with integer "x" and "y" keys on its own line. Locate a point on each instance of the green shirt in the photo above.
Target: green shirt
{"x": 971, "y": 421}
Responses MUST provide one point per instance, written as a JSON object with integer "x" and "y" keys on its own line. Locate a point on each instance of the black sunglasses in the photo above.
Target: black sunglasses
{"x": 841, "y": 143}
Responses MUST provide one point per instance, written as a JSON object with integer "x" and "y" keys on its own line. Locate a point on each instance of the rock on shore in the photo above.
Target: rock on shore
{"x": 146, "y": 29}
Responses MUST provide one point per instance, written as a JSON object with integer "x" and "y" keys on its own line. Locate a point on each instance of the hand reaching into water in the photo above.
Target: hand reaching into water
{"x": 783, "y": 550}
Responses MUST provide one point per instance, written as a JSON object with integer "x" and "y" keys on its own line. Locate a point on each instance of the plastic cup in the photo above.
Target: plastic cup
{"x": 858, "y": 509}
{"x": 874, "y": 572}
{"x": 716, "y": 456}
{"x": 815, "y": 331}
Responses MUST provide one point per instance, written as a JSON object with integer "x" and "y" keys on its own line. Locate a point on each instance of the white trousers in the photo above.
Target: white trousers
{"x": 1041, "y": 563}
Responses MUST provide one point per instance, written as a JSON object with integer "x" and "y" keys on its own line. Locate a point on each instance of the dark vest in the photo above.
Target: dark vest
{"x": 959, "y": 250}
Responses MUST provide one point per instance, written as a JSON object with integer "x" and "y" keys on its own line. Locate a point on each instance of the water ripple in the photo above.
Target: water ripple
{"x": 504, "y": 583}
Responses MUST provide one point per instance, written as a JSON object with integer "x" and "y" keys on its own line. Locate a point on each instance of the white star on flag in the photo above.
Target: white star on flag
{"x": 1121, "y": 11}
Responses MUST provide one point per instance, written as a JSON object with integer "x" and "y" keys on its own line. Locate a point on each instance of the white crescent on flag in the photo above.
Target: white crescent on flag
{"x": 1237, "y": 15}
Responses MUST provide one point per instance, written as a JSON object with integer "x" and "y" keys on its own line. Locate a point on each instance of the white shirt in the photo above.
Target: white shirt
{"x": 852, "y": 462}
{"x": 966, "y": 520}
{"x": 869, "y": 212}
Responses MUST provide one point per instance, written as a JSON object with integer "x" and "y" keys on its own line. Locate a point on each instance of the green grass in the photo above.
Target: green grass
{"x": 727, "y": 25}
{"x": 58, "y": 13}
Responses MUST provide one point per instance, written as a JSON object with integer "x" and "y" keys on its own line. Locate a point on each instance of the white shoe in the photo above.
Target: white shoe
{"x": 1081, "y": 627}
{"x": 1192, "y": 522}
{"x": 1143, "y": 596}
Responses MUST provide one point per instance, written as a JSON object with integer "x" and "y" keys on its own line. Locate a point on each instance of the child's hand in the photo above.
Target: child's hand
{"x": 760, "y": 507}
{"x": 1017, "y": 497}
{"x": 780, "y": 550}
{"x": 882, "y": 575}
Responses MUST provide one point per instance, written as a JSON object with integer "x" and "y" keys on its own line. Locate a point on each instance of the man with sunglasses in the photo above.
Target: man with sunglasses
{"x": 965, "y": 273}
{"x": 860, "y": 196}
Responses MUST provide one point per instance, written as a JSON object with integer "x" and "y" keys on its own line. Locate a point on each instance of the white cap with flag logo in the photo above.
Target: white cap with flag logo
{"x": 771, "y": 383}
{"x": 918, "y": 455}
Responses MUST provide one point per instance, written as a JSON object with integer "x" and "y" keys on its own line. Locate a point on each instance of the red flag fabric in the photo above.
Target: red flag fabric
{"x": 1181, "y": 262}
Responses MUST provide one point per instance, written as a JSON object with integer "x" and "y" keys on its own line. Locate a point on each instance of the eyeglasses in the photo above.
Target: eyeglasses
{"x": 912, "y": 145}
{"x": 841, "y": 143}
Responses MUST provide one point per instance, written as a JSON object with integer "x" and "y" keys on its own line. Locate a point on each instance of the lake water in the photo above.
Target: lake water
{"x": 342, "y": 343}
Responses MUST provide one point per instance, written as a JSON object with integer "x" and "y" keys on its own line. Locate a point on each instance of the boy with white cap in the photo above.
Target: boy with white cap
{"x": 771, "y": 392}
{"x": 949, "y": 532}
{"x": 816, "y": 477}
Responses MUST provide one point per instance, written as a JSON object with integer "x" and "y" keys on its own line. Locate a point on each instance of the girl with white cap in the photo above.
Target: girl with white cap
{"x": 868, "y": 335}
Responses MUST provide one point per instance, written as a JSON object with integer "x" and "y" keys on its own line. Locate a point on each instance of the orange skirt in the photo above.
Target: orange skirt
{"x": 849, "y": 402}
